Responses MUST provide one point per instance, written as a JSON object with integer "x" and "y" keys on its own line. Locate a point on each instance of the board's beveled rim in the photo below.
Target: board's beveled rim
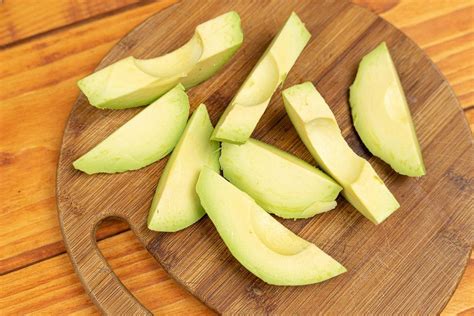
{"x": 146, "y": 242}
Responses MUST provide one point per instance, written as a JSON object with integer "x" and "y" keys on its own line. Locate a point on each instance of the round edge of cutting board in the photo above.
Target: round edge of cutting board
{"x": 129, "y": 42}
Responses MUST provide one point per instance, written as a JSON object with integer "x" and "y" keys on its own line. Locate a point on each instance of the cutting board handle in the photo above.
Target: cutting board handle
{"x": 100, "y": 282}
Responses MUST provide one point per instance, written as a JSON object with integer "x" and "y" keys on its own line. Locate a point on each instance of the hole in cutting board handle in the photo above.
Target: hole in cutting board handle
{"x": 121, "y": 250}
{"x": 141, "y": 273}
{"x": 97, "y": 277}
{"x": 110, "y": 235}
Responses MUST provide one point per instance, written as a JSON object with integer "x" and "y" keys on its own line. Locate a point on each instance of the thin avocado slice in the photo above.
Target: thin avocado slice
{"x": 318, "y": 129}
{"x": 176, "y": 204}
{"x": 147, "y": 137}
{"x": 133, "y": 82}
{"x": 258, "y": 241}
{"x": 279, "y": 182}
{"x": 382, "y": 116}
{"x": 244, "y": 111}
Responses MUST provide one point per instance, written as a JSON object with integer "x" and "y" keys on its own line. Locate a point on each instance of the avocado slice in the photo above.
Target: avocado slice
{"x": 132, "y": 82}
{"x": 279, "y": 182}
{"x": 381, "y": 114}
{"x": 318, "y": 129}
{"x": 176, "y": 204}
{"x": 258, "y": 241}
{"x": 244, "y": 111}
{"x": 147, "y": 137}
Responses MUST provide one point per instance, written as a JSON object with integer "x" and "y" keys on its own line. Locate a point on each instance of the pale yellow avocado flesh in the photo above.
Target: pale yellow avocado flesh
{"x": 176, "y": 205}
{"x": 132, "y": 82}
{"x": 319, "y": 131}
{"x": 258, "y": 241}
{"x": 382, "y": 116}
{"x": 246, "y": 108}
{"x": 147, "y": 137}
{"x": 279, "y": 182}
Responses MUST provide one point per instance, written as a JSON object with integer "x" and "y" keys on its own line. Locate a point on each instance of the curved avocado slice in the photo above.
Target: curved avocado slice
{"x": 258, "y": 241}
{"x": 244, "y": 111}
{"x": 279, "y": 182}
{"x": 318, "y": 129}
{"x": 132, "y": 82}
{"x": 147, "y": 137}
{"x": 176, "y": 204}
{"x": 381, "y": 114}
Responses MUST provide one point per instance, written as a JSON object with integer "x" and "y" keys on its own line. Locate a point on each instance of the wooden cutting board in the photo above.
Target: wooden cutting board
{"x": 411, "y": 263}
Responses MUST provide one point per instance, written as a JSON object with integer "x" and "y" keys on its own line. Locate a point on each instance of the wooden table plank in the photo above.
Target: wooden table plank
{"x": 22, "y": 19}
{"x": 40, "y": 77}
{"x": 470, "y": 117}
{"x": 462, "y": 299}
{"x": 33, "y": 289}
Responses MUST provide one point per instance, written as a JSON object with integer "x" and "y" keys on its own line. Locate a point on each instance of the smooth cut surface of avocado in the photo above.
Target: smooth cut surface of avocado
{"x": 319, "y": 131}
{"x": 246, "y": 108}
{"x": 279, "y": 182}
{"x": 176, "y": 204}
{"x": 133, "y": 82}
{"x": 258, "y": 241}
{"x": 147, "y": 137}
{"x": 381, "y": 114}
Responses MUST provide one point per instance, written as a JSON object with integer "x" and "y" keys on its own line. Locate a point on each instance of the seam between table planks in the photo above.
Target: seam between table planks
{"x": 64, "y": 294}
{"x": 84, "y": 21}
{"x": 59, "y": 244}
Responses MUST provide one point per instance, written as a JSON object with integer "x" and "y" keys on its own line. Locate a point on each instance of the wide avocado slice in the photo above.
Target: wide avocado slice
{"x": 279, "y": 182}
{"x": 246, "y": 108}
{"x": 176, "y": 204}
{"x": 258, "y": 241}
{"x": 133, "y": 82}
{"x": 382, "y": 116}
{"x": 319, "y": 131}
{"x": 147, "y": 137}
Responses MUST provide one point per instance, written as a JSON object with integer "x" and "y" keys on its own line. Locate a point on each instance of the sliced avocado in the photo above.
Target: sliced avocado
{"x": 381, "y": 114}
{"x": 176, "y": 204}
{"x": 317, "y": 127}
{"x": 147, "y": 137}
{"x": 279, "y": 182}
{"x": 244, "y": 111}
{"x": 258, "y": 241}
{"x": 132, "y": 82}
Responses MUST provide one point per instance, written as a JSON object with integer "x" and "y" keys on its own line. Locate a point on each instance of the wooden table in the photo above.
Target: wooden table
{"x": 46, "y": 46}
